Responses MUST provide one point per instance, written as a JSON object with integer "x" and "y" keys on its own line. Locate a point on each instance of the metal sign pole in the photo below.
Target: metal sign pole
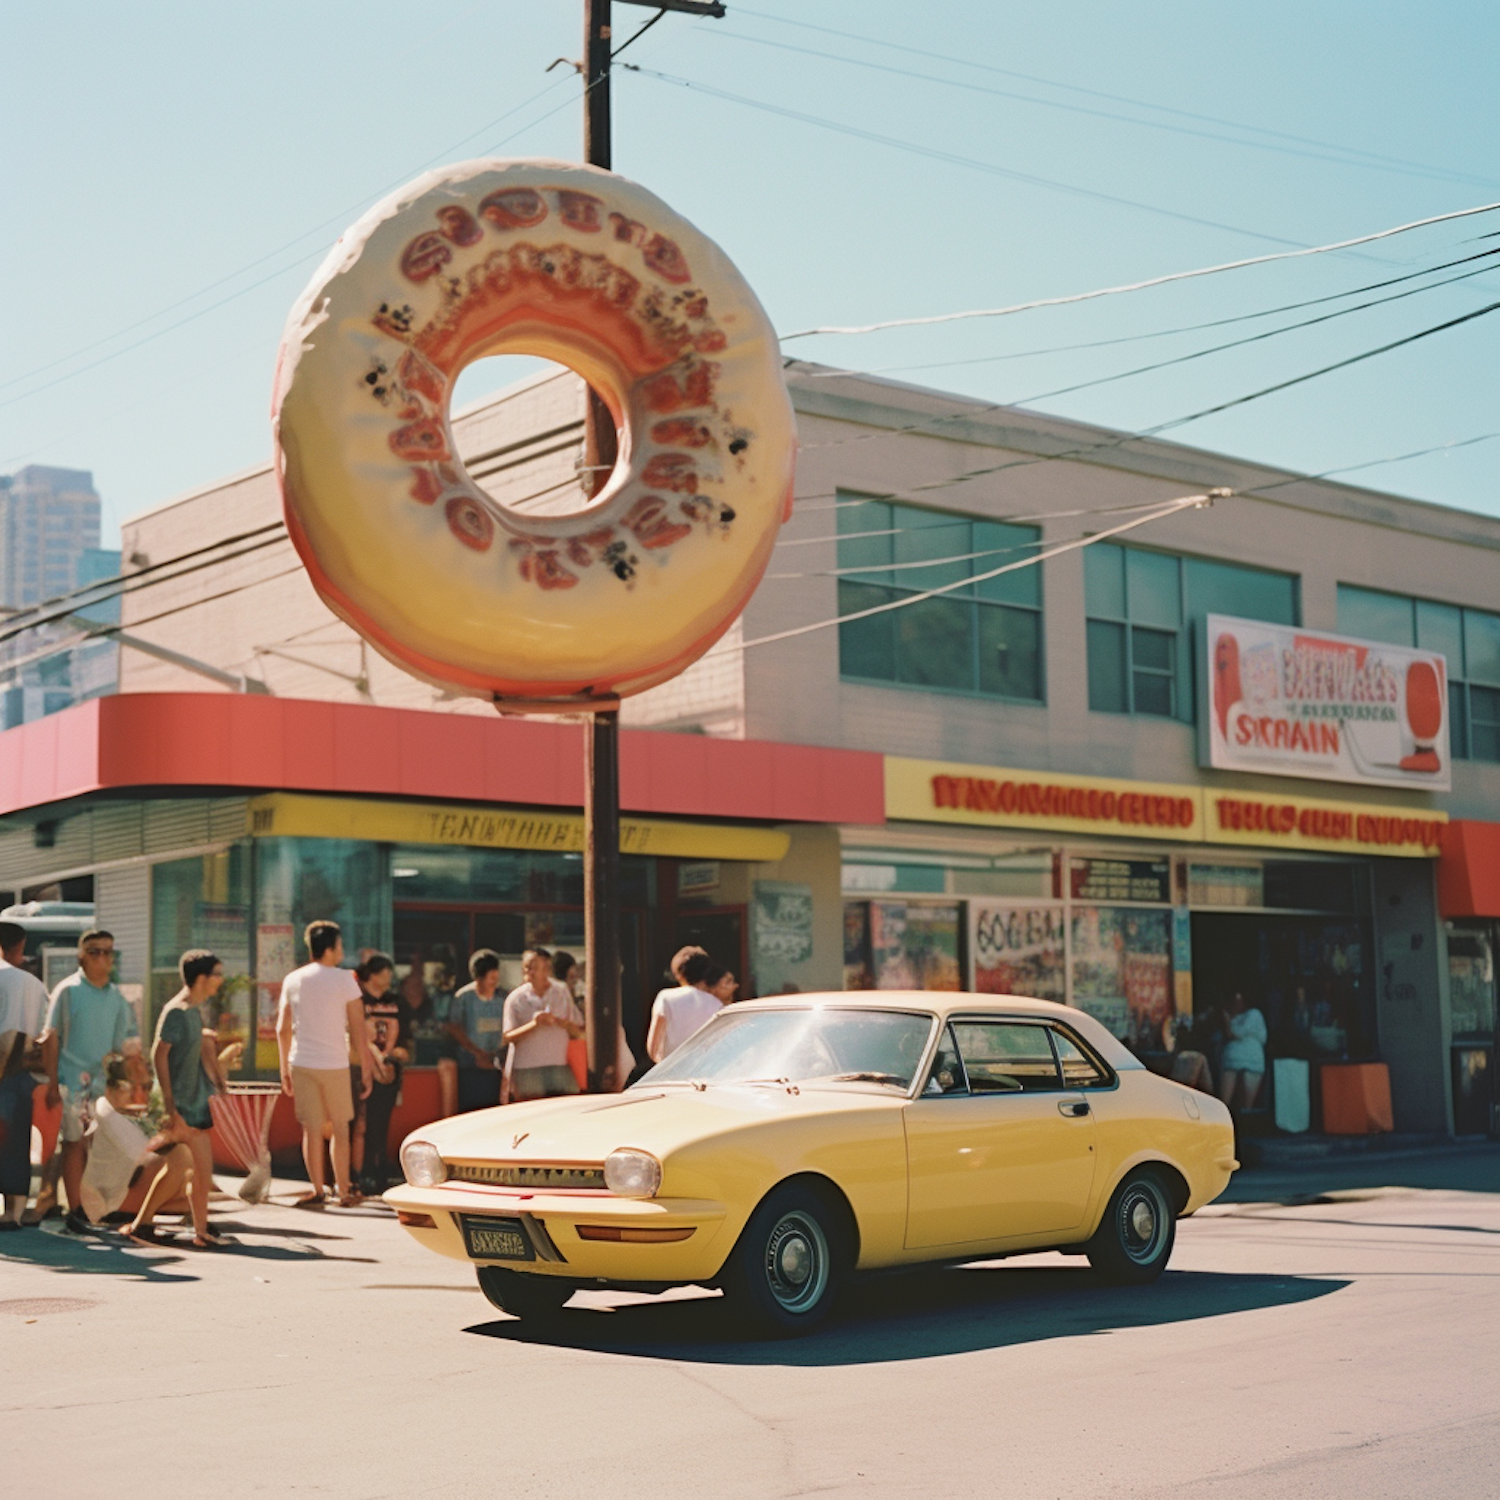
{"x": 601, "y": 794}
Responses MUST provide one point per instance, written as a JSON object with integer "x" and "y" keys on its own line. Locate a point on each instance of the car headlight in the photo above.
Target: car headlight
{"x": 422, "y": 1164}
{"x": 632, "y": 1174}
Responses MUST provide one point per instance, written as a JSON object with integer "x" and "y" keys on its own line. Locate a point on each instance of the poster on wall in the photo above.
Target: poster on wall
{"x": 275, "y": 958}
{"x": 781, "y": 924}
{"x": 1018, "y": 950}
{"x": 1287, "y": 702}
{"x": 1122, "y": 966}
{"x": 914, "y": 946}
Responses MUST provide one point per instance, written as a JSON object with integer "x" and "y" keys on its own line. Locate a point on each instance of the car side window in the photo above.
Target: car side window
{"x": 947, "y": 1073}
{"x": 1079, "y": 1070}
{"x": 1006, "y": 1057}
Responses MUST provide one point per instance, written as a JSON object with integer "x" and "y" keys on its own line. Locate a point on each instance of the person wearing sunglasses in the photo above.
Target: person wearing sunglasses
{"x": 87, "y": 1020}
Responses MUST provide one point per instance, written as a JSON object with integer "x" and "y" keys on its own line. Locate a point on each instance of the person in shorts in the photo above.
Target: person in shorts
{"x": 321, "y": 1018}
{"x": 87, "y": 1019}
{"x": 540, "y": 1020}
{"x": 475, "y": 1022}
{"x": 387, "y": 1031}
{"x": 23, "y": 1008}
{"x": 187, "y": 1078}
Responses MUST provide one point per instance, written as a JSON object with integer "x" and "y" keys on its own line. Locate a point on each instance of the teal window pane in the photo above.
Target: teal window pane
{"x": 935, "y": 644}
{"x": 1106, "y": 651}
{"x": 1024, "y": 586}
{"x": 1484, "y": 724}
{"x": 1220, "y": 588}
{"x": 866, "y": 647}
{"x": 859, "y": 550}
{"x": 1153, "y": 660}
{"x": 1153, "y": 588}
{"x": 1440, "y": 627}
{"x": 1104, "y": 580}
{"x": 1481, "y": 649}
{"x": 1458, "y": 720}
{"x": 1375, "y": 616}
{"x": 921, "y": 535}
{"x": 1010, "y": 652}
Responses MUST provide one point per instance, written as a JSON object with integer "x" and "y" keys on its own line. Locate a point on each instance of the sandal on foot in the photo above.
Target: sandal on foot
{"x": 310, "y": 1200}
{"x": 351, "y": 1200}
{"x": 147, "y": 1235}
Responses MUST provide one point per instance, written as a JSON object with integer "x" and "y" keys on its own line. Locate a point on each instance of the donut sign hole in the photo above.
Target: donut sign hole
{"x": 528, "y": 456}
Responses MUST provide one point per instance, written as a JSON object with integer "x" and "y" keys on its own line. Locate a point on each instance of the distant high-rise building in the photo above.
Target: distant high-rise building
{"x": 48, "y": 519}
{"x": 49, "y": 546}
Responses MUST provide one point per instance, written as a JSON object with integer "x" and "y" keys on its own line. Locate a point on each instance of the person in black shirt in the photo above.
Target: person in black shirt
{"x": 388, "y": 1026}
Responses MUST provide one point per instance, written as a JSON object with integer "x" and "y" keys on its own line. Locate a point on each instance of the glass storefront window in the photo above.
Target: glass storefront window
{"x": 508, "y": 877}
{"x": 302, "y": 880}
{"x": 204, "y": 902}
{"x": 1471, "y": 981}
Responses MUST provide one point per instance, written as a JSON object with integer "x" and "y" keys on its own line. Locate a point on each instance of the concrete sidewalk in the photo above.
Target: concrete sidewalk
{"x": 1459, "y": 1166}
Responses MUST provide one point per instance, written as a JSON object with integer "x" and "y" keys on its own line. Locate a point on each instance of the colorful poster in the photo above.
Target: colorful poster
{"x": 1018, "y": 950}
{"x": 914, "y": 946}
{"x": 1120, "y": 879}
{"x": 1121, "y": 968}
{"x": 1287, "y": 702}
{"x": 275, "y": 958}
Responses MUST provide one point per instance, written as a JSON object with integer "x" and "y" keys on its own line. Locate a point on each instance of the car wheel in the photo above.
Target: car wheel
{"x": 523, "y": 1296}
{"x": 790, "y": 1263}
{"x": 1134, "y": 1242}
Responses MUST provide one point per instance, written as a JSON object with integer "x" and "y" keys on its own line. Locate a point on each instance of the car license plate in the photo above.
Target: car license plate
{"x": 495, "y": 1239}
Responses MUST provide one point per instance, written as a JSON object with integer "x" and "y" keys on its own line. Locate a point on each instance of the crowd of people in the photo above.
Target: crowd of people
{"x": 125, "y": 1131}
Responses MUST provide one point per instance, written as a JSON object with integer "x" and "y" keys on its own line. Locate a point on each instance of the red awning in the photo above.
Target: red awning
{"x": 1468, "y": 873}
{"x": 180, "y": 741}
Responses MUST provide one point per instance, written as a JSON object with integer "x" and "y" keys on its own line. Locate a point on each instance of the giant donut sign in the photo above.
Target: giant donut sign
{"x": 577, "y": 265}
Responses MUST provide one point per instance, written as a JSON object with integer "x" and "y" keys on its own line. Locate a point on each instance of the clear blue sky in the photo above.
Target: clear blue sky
{"x": 161, "y": 158}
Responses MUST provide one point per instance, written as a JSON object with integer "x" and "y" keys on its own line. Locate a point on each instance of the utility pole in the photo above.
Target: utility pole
{"x": 601, "y": 792}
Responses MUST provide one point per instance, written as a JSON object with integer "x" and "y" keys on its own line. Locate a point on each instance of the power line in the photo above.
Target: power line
{"x": 907, "y": 50}
{"x": 967, "y": 413}
{"x": 953, "y": 159}
{"x": 1169, "y": 508}
{"x": 1335, "y": 154}
{"x": 1155, "y": 333}
{"x": 1149, "y": 282}
{"x": 1124, "y": 438}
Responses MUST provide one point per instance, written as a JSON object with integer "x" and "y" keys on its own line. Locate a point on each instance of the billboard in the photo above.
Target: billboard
{"x": 1281, "y": 701}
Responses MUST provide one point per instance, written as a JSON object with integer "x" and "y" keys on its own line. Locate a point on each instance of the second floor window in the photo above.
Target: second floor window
{"x": 981, "y": 637}
{"x": 1142, "y": 607}
{"x": 1469, "y": 640}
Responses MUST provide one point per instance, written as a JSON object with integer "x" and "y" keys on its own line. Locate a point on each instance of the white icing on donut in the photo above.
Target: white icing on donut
{"x": 586, "y": 268}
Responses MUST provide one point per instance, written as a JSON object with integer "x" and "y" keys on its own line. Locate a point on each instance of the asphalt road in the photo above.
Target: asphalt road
{"x": 1342, "y": 1347}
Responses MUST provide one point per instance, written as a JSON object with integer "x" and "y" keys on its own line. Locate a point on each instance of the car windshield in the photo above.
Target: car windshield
{"x": 832, "y": 1044}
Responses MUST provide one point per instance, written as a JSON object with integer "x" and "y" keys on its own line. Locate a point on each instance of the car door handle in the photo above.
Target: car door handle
{"x": 1073, "y": 1107}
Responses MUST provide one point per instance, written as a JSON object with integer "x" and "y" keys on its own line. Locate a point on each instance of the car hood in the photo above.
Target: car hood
{"x": 587, "y": 1128}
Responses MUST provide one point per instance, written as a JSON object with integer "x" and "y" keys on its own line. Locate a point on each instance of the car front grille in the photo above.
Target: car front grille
{"x": 553, "y": 1179}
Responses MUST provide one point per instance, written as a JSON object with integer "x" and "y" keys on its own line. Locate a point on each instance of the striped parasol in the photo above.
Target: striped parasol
{"x": 242, "y": 1120}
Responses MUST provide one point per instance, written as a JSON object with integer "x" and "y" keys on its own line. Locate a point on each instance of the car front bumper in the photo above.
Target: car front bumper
{"x": 553, "y": 1222}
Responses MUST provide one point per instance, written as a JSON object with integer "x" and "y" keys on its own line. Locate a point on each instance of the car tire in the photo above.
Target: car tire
{"x": 790, "y": 1263}
{"x": 533, "y": 1298}
{"x": 1134, "y": 1240}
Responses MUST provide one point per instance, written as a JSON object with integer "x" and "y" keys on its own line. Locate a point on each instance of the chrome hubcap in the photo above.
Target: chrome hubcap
{"x": 1142, "y": 1217}
{"x": 1142, "y": 1220}
{"x": 797, "y": 1262}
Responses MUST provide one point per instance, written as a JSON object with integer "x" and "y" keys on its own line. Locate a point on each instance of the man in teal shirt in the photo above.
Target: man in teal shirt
{"x": 87, "y": 1019}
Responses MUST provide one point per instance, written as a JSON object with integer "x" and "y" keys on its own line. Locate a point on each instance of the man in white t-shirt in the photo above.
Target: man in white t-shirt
{"x": 677, "y": 1014}
{"x": 540, "y": 1020}
{"x": 322, "y": 1016}
{"x": 23, "y": 1009}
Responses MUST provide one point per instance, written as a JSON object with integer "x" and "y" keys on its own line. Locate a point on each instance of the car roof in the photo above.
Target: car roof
{"x": 946, "y": 1003}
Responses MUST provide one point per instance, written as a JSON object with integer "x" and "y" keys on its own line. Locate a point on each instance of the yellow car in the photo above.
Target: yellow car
{"x": 794, "y": 1142}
